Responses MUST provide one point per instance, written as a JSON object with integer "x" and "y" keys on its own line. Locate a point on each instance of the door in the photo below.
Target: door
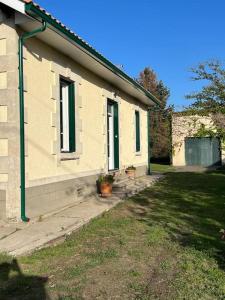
{"x": 216, "y": 151}
{"x": 113, "y": 135}
{"x": 202, "y": 151}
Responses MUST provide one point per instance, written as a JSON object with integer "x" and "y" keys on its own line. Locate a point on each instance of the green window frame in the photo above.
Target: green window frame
{"x": 137, "y": 131}
{"x": 67, "y": 116}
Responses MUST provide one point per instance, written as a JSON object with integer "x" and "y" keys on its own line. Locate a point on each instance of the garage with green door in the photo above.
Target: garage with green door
{"x": 202, "y": 151}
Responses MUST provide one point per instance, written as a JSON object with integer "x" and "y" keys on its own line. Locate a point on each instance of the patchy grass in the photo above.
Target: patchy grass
{"x": 160, "y": 168}
{"x": 161, "y": 244}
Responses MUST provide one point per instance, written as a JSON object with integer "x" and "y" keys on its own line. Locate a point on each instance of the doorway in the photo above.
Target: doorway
{"x": 113, "y": 135}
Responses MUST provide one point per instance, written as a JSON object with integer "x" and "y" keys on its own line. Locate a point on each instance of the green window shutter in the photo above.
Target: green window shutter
{"x": 137, "y": 125}
{"x": 116, "y": 135}
{"x": 72, "y": 133}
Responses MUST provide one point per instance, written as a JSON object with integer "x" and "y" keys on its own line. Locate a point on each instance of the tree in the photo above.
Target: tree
{"x": 159, "y": 118}
{"x": 148, "y": 79}
{"x": 211, "y": 98}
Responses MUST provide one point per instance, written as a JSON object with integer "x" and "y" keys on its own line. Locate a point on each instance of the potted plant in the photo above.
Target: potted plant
{"x": 130, "y": 171}
{"x": 105, "y": 183}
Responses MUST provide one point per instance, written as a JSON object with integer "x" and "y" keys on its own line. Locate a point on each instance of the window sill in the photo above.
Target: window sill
{"x": 138, "y": 153}
{"x": 69, "y": 156}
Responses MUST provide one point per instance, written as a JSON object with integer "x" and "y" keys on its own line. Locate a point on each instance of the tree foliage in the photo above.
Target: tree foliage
{"x": 159, "y": 118}
{"x": 148, "y": 79}
{"x": 211, "y": 97}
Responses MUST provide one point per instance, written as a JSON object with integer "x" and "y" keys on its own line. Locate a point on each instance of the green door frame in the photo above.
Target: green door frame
{"x": 116, "y": 132}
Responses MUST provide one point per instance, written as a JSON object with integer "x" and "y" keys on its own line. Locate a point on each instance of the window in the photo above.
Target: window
{"x": 67, "y": 116}
{"x": 137, "y": 127}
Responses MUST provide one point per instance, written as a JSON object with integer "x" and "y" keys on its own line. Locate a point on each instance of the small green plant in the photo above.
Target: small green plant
{"x": 131, "y": 168}
{"x": 108, "y": 178}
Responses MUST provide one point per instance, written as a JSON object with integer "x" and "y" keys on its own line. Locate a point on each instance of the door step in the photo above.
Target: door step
{"x": 128, "y": 187}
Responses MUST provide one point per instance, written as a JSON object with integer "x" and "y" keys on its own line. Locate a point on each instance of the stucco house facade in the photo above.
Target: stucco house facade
{"x": 190, "y": 147}
{"x": 66, "y": 116}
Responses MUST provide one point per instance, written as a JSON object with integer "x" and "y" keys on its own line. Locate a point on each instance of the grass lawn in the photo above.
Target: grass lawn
{"x": 162, "y": 168}
{"x": 161, "y": 244}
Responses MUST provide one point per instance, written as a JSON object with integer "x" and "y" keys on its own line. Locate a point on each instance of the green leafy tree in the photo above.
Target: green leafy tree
{"x": 210, "y": 99}
{"x": 159, "y": 118}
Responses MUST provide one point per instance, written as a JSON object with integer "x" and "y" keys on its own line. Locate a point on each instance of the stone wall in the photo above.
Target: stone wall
{"x": 9, "y": 117}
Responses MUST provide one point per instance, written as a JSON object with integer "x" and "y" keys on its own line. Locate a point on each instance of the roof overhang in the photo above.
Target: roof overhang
{"x": 64, "y": 40}
{"x": 15, "y": 4}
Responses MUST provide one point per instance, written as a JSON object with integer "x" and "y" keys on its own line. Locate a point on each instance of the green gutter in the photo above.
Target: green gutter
{"x": 22, "y": 39}
{"x": 149, "y": 142}
{"x": 33, "y": 10}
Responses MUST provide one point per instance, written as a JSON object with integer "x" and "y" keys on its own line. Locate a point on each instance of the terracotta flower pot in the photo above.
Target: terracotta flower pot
{"x": 130, "y": 173}
{"x": 106, "y": 189}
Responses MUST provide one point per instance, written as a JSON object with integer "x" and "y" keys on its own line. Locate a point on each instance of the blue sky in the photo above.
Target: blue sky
{"x": 169, "y": 36}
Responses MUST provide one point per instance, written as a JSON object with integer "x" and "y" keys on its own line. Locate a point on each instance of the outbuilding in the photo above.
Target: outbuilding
{"x": 195, "y": 141}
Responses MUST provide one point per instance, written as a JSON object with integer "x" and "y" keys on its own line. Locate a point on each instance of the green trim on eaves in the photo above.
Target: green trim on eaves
{"x": 31, "y": 9}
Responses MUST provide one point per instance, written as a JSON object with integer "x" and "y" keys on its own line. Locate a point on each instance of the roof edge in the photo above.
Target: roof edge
{"x": 33, "y": 9}
{"x": 16, "y": 5}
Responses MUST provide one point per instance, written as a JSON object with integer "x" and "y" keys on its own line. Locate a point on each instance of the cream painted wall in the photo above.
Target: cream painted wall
{"x": 2, "y": 46}
{"x": 91, "y": 110}
{"x": 187, "y": 126}
{"x": 3, "y": 113}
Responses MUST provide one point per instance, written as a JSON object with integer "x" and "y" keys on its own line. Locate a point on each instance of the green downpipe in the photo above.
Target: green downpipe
{"x": 22, "y": 39}
{"x": 149, "y": 143}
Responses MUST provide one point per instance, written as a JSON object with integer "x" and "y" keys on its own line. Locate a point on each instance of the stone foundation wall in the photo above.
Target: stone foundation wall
{"x": 2, "y": 204}
{"x": 47, "y": 198}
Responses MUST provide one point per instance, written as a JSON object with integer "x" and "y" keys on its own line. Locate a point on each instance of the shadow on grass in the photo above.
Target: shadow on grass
{"x": 15, "y": 285}
{"x": 190, "y": 207}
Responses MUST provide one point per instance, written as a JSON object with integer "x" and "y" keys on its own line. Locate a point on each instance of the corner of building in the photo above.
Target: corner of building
{"x": 9, "y": 117}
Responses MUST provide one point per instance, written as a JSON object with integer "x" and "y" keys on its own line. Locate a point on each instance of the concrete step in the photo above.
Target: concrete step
{"x": 121, "y": 182}
{"x": 130, "y": 187}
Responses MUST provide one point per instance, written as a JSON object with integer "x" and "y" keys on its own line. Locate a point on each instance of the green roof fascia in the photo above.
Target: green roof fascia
{"x": 31, "y": 9}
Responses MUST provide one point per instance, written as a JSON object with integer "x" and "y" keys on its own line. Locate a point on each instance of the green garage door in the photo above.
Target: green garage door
{"x": 202, "y": 151}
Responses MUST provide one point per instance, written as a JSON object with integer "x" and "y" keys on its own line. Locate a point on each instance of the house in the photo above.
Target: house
{"x": 195, "y": 141}
{"x": 66, "y": 116}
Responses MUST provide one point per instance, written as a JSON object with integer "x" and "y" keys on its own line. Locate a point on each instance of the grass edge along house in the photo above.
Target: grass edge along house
{"x": 67, "y": 114}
